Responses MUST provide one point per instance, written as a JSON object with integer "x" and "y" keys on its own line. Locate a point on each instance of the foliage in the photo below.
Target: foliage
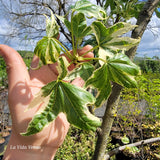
{"x": 148, "y": 90}
{"x": 157, "y": 11}
{"x": 124, "y": 9}
{"x": 151, "y": 92}
{"x": 3, "y": 74}
{"x": 27, "y": 57}
{"x": 114, "y": 65}
{"x": 138, "y": 112}
{"x": 78, "y": 144}
{"x": 150, "y": 65}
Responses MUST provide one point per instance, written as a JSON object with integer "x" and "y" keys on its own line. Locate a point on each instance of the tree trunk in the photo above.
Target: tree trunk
{"x": 111, "y": 107}
{"x": 142, "y": 22}
{"x": 108, "y": 119}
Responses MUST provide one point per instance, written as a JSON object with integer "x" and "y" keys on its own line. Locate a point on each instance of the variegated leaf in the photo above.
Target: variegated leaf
{"x": 100, "y": 80}
{"x": 89, "y": 9}
{"x": 62, "y": 67}
{"x": 52, "y": 28}
{"x": 84, "y": 71}
{"x": 110, "y": 37}
{"x": 119, "y": 69}
{"x": 79, "y": 24}
{"x": 69, "y": 99}
{"x": 48, "y": 50}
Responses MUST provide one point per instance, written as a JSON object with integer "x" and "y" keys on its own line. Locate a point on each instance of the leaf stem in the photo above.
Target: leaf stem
{"x": 73, "y": 40}
{"x": 70, "y": 63}
{"x": 65, "y": 49}
{"x": 95, "y": 59}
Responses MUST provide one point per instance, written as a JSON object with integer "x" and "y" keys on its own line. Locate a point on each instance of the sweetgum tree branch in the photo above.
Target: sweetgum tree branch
{"x": 111, "y": 107}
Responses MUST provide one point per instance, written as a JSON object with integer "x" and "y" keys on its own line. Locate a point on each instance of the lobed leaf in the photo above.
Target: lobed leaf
{"x": 80, "y": 28}
{"x": 100, "y": 80}
{"x": 119, "y": 69}
{"x": 43, "y": 118}
{"x": 121, "y": 61}
{"x": 109, "y": 38}
{"x": 89, "y": 9}
{"x": 68, "y": 99}
{"x": 123, "y": 71}
{"x": 123, "y": 43}
{"x": 48, "y": 50}
{"x": 84, "y": 71}
{"x": 75, "y": 107}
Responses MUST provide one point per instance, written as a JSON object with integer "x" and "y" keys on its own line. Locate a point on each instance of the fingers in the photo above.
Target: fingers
{"x": 49, "y": 72}
{"x": 81, "y": 52}
{"x": 35, "y": 62}
{"x": 78, "y": 82}
{"x": 86, "y": 49}
{"x": 44, "y": 74}
{"x": 72, "y": 66}
{"x": 16, "y": 68}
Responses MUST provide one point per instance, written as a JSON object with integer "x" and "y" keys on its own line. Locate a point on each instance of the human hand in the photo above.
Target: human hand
{"x": 22, "y": 86}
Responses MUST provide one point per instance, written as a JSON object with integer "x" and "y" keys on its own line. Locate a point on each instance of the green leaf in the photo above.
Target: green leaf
{"x": 65, "y": 21}
{"x": 103, "y": 54}
{"x": 89, "y": 9}
{"x": 48, "y": 50}
{"x": 47, "y": 113}
{"x": 110, "y": 37}
{"x": 80, "y": 28}
{"x": 157, "y": 155}
{"x": 123, "y": 43}
{"x": 122, "y": 70}
{"x": 66, "y": 98}
{"x": 134, "y": 149}
{"x": 84, "y": 71}
{"x": 100, "y": 80}
{"x": 119, "y": 69}
{"x": 52, "y": 28}
{"x": 157, "y": 13}
{"x": 62, "y": 67}
{"x": 125, "y": 140}
{"x": 75, "y": 106}
{"x": 110, "y": 3}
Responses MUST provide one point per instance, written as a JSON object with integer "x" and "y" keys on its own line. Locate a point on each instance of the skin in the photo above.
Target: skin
{"x": 23, "y": 85}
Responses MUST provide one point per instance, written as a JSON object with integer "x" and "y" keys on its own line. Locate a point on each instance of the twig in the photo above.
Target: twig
{"x": 121, "y": 148}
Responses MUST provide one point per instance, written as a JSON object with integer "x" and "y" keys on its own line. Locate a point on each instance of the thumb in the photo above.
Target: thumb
{"x": 16, "y": 68}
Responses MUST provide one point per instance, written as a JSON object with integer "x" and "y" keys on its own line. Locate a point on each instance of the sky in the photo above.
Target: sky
{"x": 148, "y": 47}
{"x": 150, "y": 42}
